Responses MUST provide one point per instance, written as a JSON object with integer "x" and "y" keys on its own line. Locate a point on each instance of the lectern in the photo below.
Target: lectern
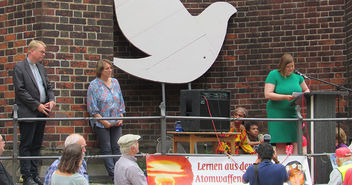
{"x": 322, "y": 104}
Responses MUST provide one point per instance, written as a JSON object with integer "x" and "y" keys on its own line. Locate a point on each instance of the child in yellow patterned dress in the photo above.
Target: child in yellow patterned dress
{"x": 240, "y": 139}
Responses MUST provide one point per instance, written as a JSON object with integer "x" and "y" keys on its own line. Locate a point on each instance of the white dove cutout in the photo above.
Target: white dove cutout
{"x": 181, "y": 47}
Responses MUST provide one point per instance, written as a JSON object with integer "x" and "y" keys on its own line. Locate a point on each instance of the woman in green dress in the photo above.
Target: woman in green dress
{"x": 279, "y": 86}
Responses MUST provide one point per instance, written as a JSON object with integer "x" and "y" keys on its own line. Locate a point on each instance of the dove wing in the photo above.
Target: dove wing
{"x": 157, "y": 27}
{"x": 183, "y": 66}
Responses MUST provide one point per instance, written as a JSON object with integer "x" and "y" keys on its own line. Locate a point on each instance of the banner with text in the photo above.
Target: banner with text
{"x": 183, "y": 170}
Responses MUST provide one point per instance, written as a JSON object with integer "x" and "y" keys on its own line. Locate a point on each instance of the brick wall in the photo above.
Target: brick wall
{"x": 78, "y": 33}
{"x": 258, "y": 34}
{"x": 348, "y": 29}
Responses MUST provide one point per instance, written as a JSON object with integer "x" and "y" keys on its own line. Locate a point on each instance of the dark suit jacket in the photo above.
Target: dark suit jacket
{"x": 5, "y": 178}
{"x": 27, "y": 95}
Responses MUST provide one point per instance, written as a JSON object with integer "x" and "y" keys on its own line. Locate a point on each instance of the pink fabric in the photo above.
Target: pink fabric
{"x": 304, "y": 142}
{"x": 348, "y": 177}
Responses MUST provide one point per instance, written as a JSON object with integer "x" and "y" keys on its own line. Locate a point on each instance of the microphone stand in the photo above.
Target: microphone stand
{"x": 338, "y": 87}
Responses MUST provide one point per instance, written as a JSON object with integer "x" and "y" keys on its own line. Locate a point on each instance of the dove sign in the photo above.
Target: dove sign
{"x": 181, "y": 47}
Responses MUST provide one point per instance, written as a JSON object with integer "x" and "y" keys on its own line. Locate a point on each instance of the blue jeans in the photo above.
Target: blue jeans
{"x": 107, "y": 138}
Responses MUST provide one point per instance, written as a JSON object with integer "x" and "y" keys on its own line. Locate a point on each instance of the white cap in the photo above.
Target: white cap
{"x": 128, "y": 140}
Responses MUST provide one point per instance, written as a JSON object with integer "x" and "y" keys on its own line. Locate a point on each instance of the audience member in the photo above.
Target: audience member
{"x": 127, "y": 171}
{"x": 105, "y": 100}
{"x": 344, "y": 162}
{"x": 5, "y": 178}
{"x": 35, "y": 99}
{"x": 71, "y": 139}
{"x": 279, "y": 86}
{"x": 348, "y": 177}
{"x": 67, "y": 172}
{"x": 264, "y": 172}
{"x": 341, "y": 138}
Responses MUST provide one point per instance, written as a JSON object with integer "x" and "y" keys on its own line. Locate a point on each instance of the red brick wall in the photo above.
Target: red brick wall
{"x": 348, "y": 28}
{"x": 79, "y": 32}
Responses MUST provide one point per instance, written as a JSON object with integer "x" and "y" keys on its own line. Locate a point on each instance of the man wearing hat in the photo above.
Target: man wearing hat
{"x": 344, "y": 162}
{"x": 127, "y": 171}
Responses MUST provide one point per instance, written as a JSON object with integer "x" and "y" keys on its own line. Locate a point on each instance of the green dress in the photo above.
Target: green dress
{"x": 283, "y": 131}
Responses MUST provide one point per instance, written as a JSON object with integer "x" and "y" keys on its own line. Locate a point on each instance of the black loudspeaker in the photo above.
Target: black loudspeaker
{"x": 193, "y": 103}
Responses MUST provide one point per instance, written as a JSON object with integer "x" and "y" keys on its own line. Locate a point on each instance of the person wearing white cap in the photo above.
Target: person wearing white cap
{"x": 127, "y": 171}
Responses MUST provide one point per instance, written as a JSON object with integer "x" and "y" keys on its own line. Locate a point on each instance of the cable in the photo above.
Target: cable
{"x": 216, "y": 133}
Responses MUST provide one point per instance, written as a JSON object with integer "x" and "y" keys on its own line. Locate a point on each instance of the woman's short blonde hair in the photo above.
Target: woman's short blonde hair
{"x": 34, "y": 44}
{"x": 285, "y": 59}
{"x": 100, "y": 66}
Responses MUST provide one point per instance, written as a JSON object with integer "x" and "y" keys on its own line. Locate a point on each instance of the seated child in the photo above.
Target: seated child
{"x": 253, "y": 136}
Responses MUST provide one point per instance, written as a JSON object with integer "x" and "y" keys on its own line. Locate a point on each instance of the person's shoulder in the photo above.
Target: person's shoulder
{"x": 94, "y": 82}
{"x": 55, "y": 163}
{"x": 79, "y": 178}
{"x": 251, "y": 167}
{"x": 274, "y": 72}
{"x": 114, "y": 80}
{"x": 280, "y": 167}
{"x": 20, "y": 63}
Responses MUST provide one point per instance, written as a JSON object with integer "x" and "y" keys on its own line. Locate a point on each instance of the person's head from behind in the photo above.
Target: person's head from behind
{"x": 341, "y": 137}
{"x": 343, "y": 154}
{"x": 76, "y": 139}
{"x": 129, "y": 144}
{"x": 252, "y": 129}
{"x": 71, "y": 159}
{"x": 265, "y": 151}
{"x": 286, "y": 65}
{"x": 104, "y": 68}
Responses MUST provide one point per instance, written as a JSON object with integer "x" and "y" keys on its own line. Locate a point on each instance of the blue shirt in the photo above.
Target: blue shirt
{"x": 268, "y": 173}
{"x": 108, "y": 102}
{"x": 39, "y": 80}
{"x": 53, "y": 167}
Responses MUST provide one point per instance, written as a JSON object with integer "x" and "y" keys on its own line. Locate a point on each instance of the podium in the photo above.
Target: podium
{"x": 322, "y": 104}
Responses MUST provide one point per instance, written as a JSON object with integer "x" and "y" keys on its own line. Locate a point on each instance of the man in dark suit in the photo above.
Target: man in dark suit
{"x": 35, "y": 99}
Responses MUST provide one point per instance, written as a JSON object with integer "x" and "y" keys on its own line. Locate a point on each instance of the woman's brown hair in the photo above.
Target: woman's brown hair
{"x": 100, "y": 66}
{"x": 285, "y": 59}
{"x": 71, "y": 158}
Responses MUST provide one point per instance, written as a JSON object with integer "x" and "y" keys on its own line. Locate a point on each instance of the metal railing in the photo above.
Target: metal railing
{"x": 163, "y": 119}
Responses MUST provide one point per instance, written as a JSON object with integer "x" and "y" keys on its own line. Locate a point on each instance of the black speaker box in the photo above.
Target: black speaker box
{"x": 193, "y": 103}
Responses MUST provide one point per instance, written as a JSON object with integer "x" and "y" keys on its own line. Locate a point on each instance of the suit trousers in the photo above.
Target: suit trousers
{"x": 31, "y": 141}
{"x": 107, "y": 138}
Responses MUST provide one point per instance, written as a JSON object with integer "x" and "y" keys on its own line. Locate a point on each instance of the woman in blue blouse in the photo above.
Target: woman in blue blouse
{"x": 105, "y": 100}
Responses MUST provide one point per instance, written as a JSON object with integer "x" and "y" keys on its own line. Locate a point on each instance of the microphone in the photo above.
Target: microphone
{"x": 300, "y": 74}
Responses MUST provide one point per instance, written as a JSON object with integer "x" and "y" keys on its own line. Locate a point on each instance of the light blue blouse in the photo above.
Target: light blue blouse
{"x": 108, "y": 102}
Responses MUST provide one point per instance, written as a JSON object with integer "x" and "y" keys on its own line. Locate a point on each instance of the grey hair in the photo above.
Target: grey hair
{"x": 126, "y": 150}
{"x": 73, "y": 139}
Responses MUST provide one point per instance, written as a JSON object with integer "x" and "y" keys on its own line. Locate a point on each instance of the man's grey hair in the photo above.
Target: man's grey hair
{"x": 73, "y": 139}
{"x": 126, "y": 150}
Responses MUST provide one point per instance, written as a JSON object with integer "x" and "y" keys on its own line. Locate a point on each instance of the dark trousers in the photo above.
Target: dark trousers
{"x": 107, "y": 138}
{"x": 31, "y": 140}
